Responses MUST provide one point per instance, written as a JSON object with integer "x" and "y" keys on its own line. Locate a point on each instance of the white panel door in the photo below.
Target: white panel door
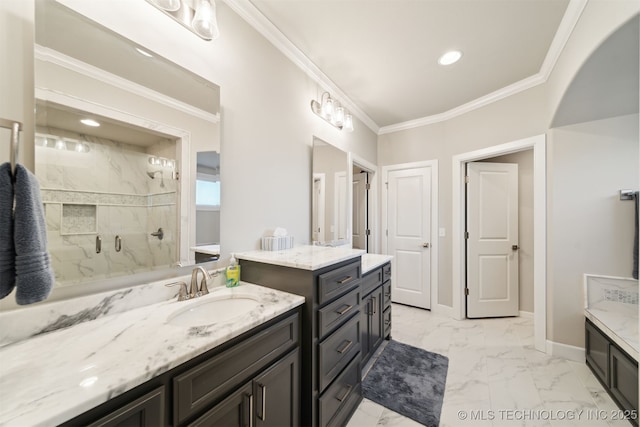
{"x": 492, "y": 243}
{"x": 409, "y": 235}
{"x": 359, "y": 211}
{"x": 341, "y": 231}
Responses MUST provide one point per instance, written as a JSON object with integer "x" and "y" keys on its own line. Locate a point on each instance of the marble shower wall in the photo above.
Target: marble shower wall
{"x": 106, "y": 192}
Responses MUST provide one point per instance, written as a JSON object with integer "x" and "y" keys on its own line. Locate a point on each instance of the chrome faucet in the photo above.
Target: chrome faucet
{"x": 194, "y": 291}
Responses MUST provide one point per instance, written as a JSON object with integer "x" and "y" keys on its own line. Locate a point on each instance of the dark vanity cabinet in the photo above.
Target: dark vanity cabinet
{"x": 331, "y": 334}
{"x": 252, "y": 380}
{"x": 614, "y": 368}
{"x": 375, "y": 309}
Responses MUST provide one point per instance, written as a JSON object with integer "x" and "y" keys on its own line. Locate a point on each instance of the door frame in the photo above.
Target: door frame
{"x": 538, "y": 144}
{"x": 374, "y": 224}
{"x": 435, "y": 246}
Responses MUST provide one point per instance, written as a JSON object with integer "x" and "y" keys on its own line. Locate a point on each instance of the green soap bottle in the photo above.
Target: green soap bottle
{"x": 233, "y": 273}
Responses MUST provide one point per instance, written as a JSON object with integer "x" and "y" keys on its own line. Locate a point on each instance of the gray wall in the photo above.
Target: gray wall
{"x": 207, "y": 227}
{"x": 590, "y": 228}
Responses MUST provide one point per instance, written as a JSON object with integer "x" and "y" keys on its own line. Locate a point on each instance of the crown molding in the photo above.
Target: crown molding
{"x": 568, "y": 23}
{"x": 49, "y": 55}
{"x": 260, "y": 23}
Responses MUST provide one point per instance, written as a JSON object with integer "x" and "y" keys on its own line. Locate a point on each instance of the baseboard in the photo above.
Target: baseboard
{"x": 565, "y": 351}
{"x": 526, "y": 314}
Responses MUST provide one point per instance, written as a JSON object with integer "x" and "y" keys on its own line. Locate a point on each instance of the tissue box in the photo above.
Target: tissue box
{"x": 277, "y": 243}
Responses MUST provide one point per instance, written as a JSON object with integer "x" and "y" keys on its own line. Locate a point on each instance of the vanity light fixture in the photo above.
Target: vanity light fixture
{"x": 90, "y": 122}
{"x": 332, "y": 112}
{"x": 199, "y": 16}
{"x": 450, "y": 57}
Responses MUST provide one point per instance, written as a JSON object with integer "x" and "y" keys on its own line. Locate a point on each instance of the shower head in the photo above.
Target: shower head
{"x": 152, "y": 175}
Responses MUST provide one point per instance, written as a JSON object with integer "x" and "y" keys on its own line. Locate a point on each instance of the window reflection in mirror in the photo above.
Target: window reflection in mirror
{"x": 109, "y": 190}
{"x": 207, "y": 206}
{"x": 329, "y": 218}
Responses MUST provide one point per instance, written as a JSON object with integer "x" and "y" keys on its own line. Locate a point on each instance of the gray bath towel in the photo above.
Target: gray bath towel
{"x": 7, "y": 252}
{"x": 34, "y": 276}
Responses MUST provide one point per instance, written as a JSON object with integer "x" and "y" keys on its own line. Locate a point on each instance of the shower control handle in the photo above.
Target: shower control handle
{"x": 159, "y": 234}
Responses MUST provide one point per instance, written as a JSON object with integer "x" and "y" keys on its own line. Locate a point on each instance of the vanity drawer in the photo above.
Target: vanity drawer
{"x": 337, "y": 350}
{"x": 335, "y": 283}
{"x": 386, "y": 272}
{"x": 370, "y": 281}
{"x": 387, "y": 321}
{"x": 344, "y": 393}
{"x": 334, "y": 314}
{"x": 386, "y": 294}
{"x": 208, "y": 382}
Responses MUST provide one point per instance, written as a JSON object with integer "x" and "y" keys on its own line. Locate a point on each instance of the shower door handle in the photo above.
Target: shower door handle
{"x": 98, "y": 244}
{"x": 118, "y": 243}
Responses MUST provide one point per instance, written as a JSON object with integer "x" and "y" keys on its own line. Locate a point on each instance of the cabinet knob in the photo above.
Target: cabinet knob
{"x": 425, "y": 245}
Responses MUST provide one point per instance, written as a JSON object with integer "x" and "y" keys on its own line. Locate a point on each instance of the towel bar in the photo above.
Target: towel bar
{"x": 15, "y": 141}
{"x": 627, "y": 194}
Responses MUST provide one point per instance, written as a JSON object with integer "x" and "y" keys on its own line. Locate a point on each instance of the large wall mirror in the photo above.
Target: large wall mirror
{"x": 330, "y": 208}
{"x": 120, "y": 190}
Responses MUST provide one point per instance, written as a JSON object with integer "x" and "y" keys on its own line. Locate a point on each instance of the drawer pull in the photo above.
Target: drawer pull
{"x": 263, "y": 388}
{"x": 345, "y": 280}
{"x": 345, "y": 347}
{"x": 375, "y": 302}
{"x": 345, "y": 394}
{"x": 251, "y": 410}
{"x": 344, "y": 309}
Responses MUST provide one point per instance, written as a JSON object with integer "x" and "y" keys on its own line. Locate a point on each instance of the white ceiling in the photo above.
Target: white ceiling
{"x": 382, "y": 54}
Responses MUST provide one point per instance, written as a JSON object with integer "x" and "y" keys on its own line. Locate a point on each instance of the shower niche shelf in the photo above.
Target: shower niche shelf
{"x": 79, "y": 219}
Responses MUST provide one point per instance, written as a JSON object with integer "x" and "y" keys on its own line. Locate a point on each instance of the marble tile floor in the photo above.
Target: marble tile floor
{"x": 496, "y": 377}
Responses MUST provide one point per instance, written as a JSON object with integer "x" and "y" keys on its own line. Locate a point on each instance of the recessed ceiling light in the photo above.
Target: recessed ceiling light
{"x": 144, "y": 52}
{"x": 90, "y": 122}
{"x": 450, "y": 57}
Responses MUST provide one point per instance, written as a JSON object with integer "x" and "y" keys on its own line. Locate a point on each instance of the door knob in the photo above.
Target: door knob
{"x": 425, "y": 245}
{"x": 515, "y": 247}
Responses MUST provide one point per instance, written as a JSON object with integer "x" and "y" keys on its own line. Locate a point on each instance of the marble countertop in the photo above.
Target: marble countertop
{"x": 303, "y": 257}
{"x": 207, "y": 249}
{"x": 371, "y": 261}
{"x": 619, "y": 322}
{"x": 53, "y": 377}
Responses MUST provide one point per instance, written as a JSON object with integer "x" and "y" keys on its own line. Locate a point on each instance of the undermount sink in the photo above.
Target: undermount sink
{"x": 213, "y": 309}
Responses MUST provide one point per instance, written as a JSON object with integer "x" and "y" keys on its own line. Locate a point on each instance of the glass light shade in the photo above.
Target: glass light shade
{"x": 204, "y": 21}
{"x": 327, "y": 108}
{"x": 60, "y": 145}
{"x": 168, "y": 5}
{"x": 348, "y": 123}
{"x": 339, "y": 116}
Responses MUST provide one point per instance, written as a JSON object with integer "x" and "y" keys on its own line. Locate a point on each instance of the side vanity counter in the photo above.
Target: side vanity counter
{"x": 139, "y": 364}
{"x": 329, "y": 278}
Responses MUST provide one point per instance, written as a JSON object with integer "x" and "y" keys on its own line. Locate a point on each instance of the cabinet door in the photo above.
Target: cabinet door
{"x": 597, "y": 352}
{"x": 146, "y": 411}
{"x": 376, "y": 329}
{"x": 277, "y": 393}
{"x": 234, "y": 411}
{"x": 624, "y": 379}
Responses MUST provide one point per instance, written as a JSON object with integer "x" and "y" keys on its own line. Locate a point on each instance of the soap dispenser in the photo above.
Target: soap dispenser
{"x": 233, "y": 273}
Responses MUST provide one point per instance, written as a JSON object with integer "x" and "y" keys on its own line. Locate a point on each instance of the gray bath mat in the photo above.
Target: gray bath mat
{"x": 409, "y": 381}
